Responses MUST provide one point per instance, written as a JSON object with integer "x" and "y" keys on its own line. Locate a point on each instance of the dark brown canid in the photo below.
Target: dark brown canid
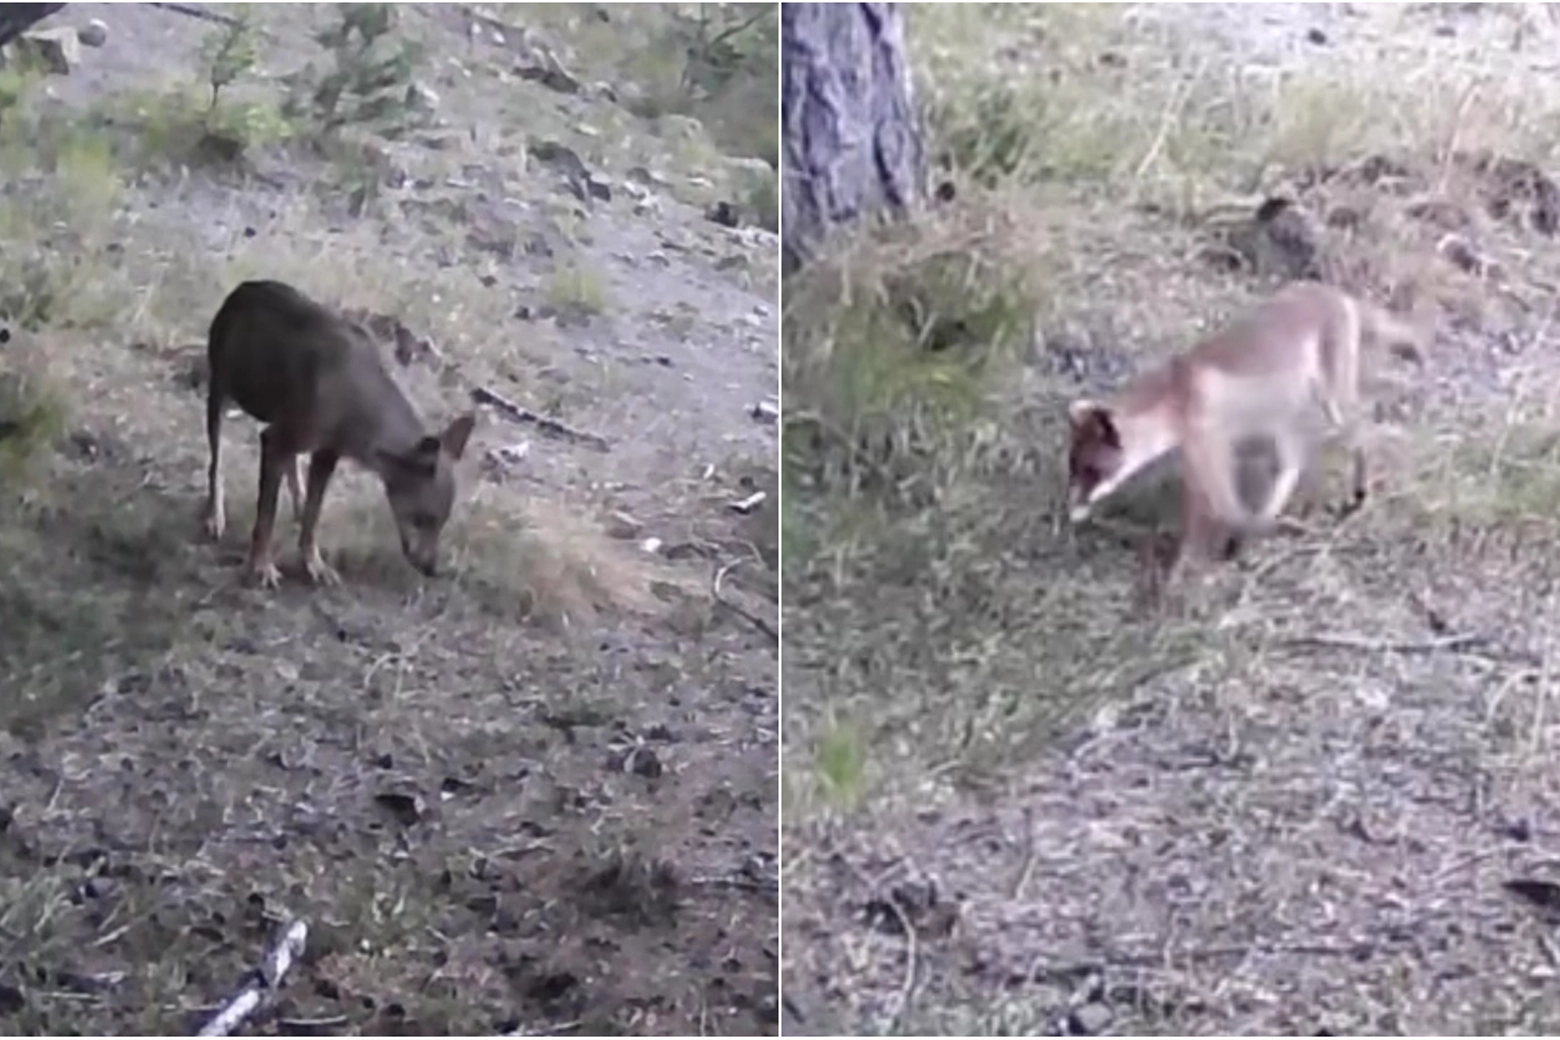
{"x": 320, "y": 385}
{"x": 1258, "y": 377}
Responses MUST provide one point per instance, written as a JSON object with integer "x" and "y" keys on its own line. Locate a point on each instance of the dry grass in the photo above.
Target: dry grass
{"x": 1200, "y": 819}
{"x": 570, "y": 715}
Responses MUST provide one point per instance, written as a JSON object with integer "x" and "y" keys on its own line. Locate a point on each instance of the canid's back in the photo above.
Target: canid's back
{"x": 1278, "y": 334}
{"x": 270, "y": 347}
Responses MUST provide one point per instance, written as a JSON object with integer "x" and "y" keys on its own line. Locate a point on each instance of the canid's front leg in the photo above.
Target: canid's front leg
{"x": 1204, "y": 534}
{"x": 1291, "y": 465}
{"x": 321, "y": 465}
{"x": 275, "y": 455}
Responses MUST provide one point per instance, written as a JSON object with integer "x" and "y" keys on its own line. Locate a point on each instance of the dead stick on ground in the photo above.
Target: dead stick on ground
{"x": 742, "y": 612}
{"x": 912, "y": 970}
{"x": 1465, "y": 641}
{"x": 482, "y": 395}
{"x": 1201, "y": 955}
{"x": 199, "y": 12}
{"x": 261, "y": 983}
{"x": 1028, "y": 867}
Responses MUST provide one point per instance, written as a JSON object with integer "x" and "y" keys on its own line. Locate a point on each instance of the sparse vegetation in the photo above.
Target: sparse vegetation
{"x": 576, "y": 292}
{"x": 715, "y": 62}
{"x": 483, "y": 790}
{"x": 1008, "y": 719}
{"x": 370, "y": 79}
{"x": 706, "y": 75}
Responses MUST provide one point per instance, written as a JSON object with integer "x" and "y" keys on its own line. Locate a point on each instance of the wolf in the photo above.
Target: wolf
{"x": 319, "y": 384}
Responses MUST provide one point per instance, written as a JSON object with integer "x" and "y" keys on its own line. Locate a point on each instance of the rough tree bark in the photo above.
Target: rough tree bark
{"x": 16, "y": 19}
{"x": 851, "y": 140}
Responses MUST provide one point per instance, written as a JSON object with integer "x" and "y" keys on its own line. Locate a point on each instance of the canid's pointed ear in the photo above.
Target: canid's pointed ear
{"x": 456, "y": 434}
{"x": 1082, "y": 410}
{"x": 1091, "y": 420}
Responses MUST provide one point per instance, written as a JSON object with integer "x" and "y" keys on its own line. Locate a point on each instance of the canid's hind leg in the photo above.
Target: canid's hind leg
{"x": 1340, "y": 399}
{"x": 1341, "y": 416}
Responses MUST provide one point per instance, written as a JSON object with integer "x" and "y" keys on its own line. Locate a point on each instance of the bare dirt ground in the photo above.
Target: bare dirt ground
{"x": 1291, "y": 803}
{"x": 537, "y": 793}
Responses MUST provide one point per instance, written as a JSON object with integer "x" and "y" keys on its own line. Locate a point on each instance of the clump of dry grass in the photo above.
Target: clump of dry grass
{"x": 34, "y": 408}
{"x": 545, "y": 561}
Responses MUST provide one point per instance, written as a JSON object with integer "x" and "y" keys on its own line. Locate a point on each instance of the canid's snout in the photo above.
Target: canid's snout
{"x": 423, "y": 557}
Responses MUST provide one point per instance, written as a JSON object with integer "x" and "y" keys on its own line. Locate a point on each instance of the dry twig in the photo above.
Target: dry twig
{"x": 261, "y": 982}
{"x": 1343, "y": 641}
{"x": 519, "y": 413}
{"x": 912, "y": 950}
{"x": 736, "y": 608}
{"x": 190, "y": 10}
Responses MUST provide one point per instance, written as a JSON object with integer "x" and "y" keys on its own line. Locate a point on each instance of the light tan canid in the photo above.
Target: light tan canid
{"x": 1262, "y": 376}
{"x": 320, "y": 385}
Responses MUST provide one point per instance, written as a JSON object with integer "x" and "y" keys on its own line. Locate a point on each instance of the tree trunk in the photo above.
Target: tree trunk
{"x": 16, "y": 19}
{"x": 851, "y": 139}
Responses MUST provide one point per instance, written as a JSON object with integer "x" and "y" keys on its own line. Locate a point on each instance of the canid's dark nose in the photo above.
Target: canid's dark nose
{"x": 425, "y": 564}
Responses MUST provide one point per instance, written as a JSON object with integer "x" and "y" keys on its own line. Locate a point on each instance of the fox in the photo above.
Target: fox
{"x": 319, "y": 384}
{"x": 1262, "y": 376}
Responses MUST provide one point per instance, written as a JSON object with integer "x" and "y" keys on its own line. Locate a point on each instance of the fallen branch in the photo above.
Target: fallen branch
{"x": 482, "y": 395}
{"x": 912, "y": 947}
{"x": 746, "y": 884}
{"x": 324, "y": 1022}
{"x": 261, "y": 983}
{"x": 199, "y": 12}
{"x": 737, "y": 609}
{"x": 1065, "y": 972}
{"x": 748, "y": 504}
{"x": 1466, "y": 641}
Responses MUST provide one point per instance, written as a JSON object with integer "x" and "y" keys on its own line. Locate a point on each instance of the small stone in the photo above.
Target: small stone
{"x": 1089, "y": 1020}
{"x": 422, "y": 97}
{"x": 622, "y": 525}
{"x": 644, "y": 762}
{"x": 93, "y": 34}
{"x": 725, "y": 214}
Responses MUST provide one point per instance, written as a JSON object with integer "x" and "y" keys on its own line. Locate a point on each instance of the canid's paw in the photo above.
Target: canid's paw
{"x": 264, "y": 574}
{"x": 213, "y": 521}
{"x": 319, "y": 572}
